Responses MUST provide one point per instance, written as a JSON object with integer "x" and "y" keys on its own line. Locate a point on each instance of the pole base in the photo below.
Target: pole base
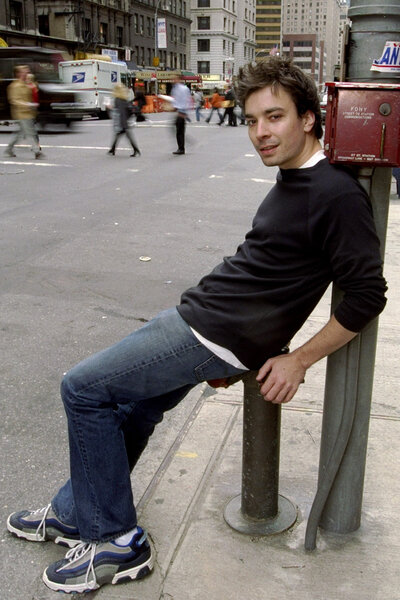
{"x": 286, "y": 517}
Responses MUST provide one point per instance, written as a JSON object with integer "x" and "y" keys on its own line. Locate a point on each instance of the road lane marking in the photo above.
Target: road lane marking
{"x": 63, "y": 147}
{"x": 35, "y": 164}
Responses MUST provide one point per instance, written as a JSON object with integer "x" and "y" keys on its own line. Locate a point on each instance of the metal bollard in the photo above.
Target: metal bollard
{"x": 260, "y": 509}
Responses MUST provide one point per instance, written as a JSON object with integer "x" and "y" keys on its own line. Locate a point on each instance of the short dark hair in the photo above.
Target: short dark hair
{"x": 276, "y": 71}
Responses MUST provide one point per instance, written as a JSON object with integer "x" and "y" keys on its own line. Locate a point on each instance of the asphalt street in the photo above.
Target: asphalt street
{"x": 75, "y": 226}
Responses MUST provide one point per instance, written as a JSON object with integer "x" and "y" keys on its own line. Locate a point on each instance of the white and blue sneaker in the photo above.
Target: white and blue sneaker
{"x": 90, "y": 565}
{"x": 42, "y": 525}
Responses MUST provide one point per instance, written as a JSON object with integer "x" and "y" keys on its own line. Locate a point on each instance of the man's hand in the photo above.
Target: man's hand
{"x": 280, "y": 378}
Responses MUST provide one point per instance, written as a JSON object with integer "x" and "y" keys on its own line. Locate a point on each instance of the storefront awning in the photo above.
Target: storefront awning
{"x": 166, "y": 76}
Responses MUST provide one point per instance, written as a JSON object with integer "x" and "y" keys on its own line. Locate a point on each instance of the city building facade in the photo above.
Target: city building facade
{"x": 222, "y": 38}
{"x": 308, "y": 52}
{"x": 324, "y": 18}
{"x": 123, "y": 29}
{"x": 213, "y": 38}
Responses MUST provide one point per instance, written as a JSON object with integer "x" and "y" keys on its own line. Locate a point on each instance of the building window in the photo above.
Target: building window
{"x": 203, "y": 22}
{"x": 203, "y": 66}
{"x": 120, "y": 36}
{"x": 103, "y": 33}
{"x": 87, "y": 30}
{"x": 44, "y": 27}
{"x": 136, "y": 22}
{"x": 203, "y": 3}
{"x": 203, "y": 45}
{"x": 16, "y": 15}
{"x": 148, "y": 21}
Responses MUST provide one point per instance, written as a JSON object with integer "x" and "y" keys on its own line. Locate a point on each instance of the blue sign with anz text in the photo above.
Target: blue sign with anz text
{"x": 389, "y": 62}
{"x": 113, "y": 76}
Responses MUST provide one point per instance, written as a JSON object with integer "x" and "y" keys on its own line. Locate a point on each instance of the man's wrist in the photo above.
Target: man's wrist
{"x": 303, "y": 357}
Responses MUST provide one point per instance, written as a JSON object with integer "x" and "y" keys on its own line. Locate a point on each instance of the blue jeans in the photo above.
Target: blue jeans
{"x": 113, "y": 401}
{"x": 211, "y": 114}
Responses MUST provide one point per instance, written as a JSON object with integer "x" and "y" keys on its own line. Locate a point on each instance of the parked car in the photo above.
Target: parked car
{"x": 323, "y": 103}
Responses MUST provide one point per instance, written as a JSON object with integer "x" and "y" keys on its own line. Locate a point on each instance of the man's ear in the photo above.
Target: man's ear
{"x": 308, "y": 120}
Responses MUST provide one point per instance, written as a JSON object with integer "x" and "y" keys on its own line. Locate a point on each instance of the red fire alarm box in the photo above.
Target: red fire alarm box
{"x": 363, "y": 124}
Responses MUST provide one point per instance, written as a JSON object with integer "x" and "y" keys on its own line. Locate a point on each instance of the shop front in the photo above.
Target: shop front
{"x": 152, "y": 83}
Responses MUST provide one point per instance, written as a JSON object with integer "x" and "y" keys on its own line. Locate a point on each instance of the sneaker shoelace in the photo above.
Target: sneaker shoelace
{"x": 77, "y": 553}
{"x": 41, "y": 530}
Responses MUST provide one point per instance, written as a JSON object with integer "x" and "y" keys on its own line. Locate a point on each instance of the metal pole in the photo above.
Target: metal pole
{"x": 261, "y": 449}
{"x": 260, "y": 510}
{"x": 373, "y": 24}
{"x": 346, "y": 383}
{"x": 156, "y": 40}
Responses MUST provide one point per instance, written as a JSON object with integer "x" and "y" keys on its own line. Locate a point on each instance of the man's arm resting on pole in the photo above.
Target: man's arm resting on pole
{"x": 281, "y": 376}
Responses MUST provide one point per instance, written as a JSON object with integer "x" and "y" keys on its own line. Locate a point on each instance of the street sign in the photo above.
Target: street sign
{"x": 161, "y": 33}
{"x": 389, "y": 62}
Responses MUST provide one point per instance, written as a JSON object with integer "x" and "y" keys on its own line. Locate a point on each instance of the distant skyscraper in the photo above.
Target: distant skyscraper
{"x": 268, "y": 27}
{"x": 323, "y": 18}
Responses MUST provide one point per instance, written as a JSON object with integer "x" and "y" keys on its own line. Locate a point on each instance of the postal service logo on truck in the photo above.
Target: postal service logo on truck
{"x": 78, "y": 77}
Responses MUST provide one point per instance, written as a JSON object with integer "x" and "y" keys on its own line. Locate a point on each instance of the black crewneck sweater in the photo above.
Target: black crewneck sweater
{"x": 315, "y": 226}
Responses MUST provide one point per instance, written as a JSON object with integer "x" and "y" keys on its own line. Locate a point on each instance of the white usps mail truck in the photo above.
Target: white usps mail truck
{"x": 92, "y": 81}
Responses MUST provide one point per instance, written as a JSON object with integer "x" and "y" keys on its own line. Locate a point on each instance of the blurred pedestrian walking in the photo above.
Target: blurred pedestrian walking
{"x": 23, "y": 110}
{"x": 31, "y": 81}
{"x": 230, "y": 103}
{"x": 139, "y": 102}
{"x": 198, "y": 103}
{"x": 216, "y": 103}
{"x": 182, "y": 101}
{"x": 121, "y": 112}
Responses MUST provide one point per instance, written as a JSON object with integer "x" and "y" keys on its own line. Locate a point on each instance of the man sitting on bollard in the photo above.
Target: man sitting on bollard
{"x": 315, "y": 226}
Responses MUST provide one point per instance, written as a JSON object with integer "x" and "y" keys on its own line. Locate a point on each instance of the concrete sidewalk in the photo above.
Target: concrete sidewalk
{"x": 199, "y": 557}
